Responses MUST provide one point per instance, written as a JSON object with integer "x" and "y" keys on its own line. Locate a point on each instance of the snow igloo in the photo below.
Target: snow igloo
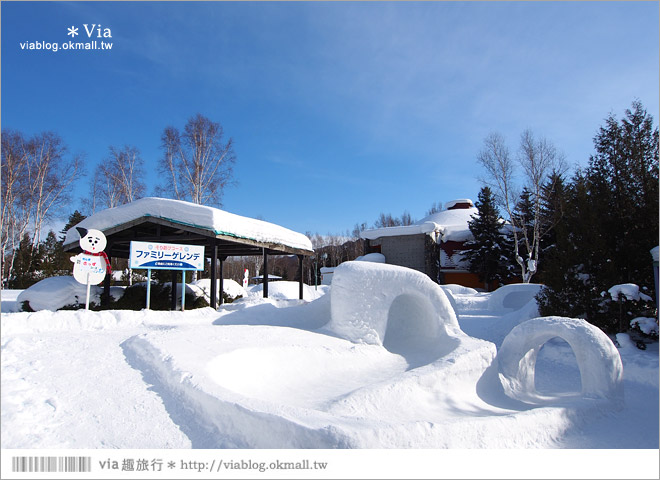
{"x": 398, "y": 308}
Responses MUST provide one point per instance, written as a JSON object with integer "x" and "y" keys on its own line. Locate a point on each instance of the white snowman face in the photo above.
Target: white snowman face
{"x": 91, "y": 240}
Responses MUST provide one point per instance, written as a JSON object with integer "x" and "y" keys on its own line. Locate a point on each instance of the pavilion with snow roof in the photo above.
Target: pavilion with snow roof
{"x": 222, "y": 234}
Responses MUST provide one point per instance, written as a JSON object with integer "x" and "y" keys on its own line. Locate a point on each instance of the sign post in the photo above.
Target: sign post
{"x": 166, "y": 256}
{"x": 148, "y": 288}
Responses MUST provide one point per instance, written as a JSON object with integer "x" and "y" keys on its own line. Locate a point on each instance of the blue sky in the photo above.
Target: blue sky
{"x": 339, "y": 111}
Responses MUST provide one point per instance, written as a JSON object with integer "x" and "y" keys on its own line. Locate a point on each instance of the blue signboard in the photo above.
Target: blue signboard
{"x": 166, "y": 256}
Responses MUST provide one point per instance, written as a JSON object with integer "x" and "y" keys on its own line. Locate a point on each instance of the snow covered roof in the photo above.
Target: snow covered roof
{"x": 447, "y": 225}
{"x": 208, "y": 221}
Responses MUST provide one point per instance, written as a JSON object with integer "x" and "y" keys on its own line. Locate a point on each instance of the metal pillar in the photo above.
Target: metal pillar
{"x": 300, "y": 277}
{"x": 173, "y": 296}
{"x": 214, "y": 276}
{"x": 265, "y": 277}
{"x": 222, "y": 279}
{"x": 105, "y": 296}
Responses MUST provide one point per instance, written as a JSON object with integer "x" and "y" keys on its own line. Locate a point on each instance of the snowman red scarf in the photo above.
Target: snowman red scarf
{"x": 108, "y": 268}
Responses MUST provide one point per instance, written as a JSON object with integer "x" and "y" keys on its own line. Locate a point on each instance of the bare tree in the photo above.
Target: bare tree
{"x": 36, "y": 180}
{"x": 15, "y": 198}
{"x": 538, "y": 159}
{"x": 118, "y": 179}
{"x": 435, "y": 208}
{"x": 197, "y": 163}
{"x": 51, "y": 175}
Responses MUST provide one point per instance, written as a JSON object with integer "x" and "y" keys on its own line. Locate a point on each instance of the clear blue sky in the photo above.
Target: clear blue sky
{"x": 339, "y": 111}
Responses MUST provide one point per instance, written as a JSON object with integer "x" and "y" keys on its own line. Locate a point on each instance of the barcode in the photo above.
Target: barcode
{"x": 51, "y": 464}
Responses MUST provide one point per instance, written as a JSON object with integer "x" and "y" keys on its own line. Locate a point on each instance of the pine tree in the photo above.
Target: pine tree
{"x": 54, "y": 261}
{"x": 609, "y": 225}
{"x": 27, "y": 264}
{"x": 623, "y": 183}
{"x": 554, "y": 199}
{"x": 74, "y": 219}
{"x": 489, "y": 251}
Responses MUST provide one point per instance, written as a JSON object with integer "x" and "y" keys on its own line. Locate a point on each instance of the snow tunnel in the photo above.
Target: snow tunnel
{"x": 410, "y": 322}
{"x": 396, "y": 307}
{"x": 599, "y": 363}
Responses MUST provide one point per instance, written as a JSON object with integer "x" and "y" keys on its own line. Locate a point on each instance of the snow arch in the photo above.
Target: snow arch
{"x": 599, "y": 362}
{"x": 399, "y": 308}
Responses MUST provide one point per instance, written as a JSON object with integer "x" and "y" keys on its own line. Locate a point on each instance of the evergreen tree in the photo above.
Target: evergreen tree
{"x": 54, "y": 261}
{"x": 609, "y": 225}
{"x": 489, "y": 251}
{"x": 27, "y": 264}
{"x": 74, "y": 219}
{"x": 554, "y": 198}
{"x": 574, "y": 262}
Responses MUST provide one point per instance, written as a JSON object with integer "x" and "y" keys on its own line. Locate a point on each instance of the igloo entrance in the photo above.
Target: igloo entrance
{"x": 557, "y": 371}
{"x": 413, "y": 330}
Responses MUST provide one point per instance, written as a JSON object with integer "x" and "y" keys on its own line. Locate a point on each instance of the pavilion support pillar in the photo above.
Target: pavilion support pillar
{"x": 214, "y": 276}
{"x": 265, "y": 276}
{"x": 173, "y": 297}
{"x": 300, "y": 277}
{"x": 222, "y": 278}
{"x": 105, "y": 295}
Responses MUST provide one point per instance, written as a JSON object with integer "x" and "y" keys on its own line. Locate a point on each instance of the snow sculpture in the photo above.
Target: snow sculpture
{"x": 599, "y": 362}
{"x": 399, "y": 308}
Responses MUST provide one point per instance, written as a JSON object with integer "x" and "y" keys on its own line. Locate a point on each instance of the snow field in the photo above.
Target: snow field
{"x": 289, "y": 373}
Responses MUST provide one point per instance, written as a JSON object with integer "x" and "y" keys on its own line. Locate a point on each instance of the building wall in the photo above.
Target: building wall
{"x": 465, "y": 279}
{"x": 404, "y": 250}
{"x": 421, "y": 253}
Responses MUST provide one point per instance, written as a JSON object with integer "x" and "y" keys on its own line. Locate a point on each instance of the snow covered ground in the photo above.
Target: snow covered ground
{"x": 274, "y": 373}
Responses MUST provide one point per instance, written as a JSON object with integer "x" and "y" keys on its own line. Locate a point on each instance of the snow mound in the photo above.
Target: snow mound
{"x": 628, "y": 290}
{"x": 396, "y": 307}
{"x": 56, "y": 292}
{"x": 459, "y": 289}
{"x": 284, "y": 290}
{"x": 229, "y": 286}
{"x": 646, "y": 324}
{"x": 600, "y": 366}
{"x": 625, "y": 341}
{"x": 514, "y": 296}
{"x": 371, "y": 257}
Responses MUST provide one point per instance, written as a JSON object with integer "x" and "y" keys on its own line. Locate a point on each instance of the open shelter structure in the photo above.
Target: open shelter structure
{"x": 222, "y": 234}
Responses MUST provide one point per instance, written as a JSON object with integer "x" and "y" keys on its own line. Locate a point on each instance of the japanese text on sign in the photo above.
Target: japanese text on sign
{"x": 166, "y": 256}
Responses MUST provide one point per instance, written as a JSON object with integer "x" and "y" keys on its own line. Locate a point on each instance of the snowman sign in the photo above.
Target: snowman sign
{"x": 245, "y": 278}
{"x": 91, "y": 266}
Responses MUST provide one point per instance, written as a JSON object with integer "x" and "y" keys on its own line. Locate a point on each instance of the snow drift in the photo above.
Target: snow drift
{"x": 54, "y": 293}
